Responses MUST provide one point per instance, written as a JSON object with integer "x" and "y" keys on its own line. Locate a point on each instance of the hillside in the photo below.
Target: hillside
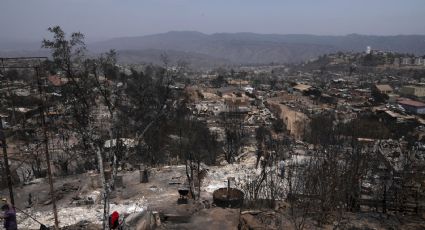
{"x": 203, "y": 50}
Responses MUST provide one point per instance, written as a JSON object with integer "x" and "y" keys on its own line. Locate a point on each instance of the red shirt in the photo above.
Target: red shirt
{"x": 113, "y": 220}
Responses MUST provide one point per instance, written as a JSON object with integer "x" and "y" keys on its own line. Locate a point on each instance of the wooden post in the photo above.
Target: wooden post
{"x": 143, "y": 172}
{"x": 6, "y": 163}
{"x": 228, "y": 186}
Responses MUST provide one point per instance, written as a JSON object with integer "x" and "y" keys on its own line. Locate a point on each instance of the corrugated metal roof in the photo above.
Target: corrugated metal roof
{"x": 412, "y": 103}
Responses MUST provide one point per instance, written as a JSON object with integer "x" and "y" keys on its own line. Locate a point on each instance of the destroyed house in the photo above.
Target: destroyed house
{"x": 306, "y": 90}
{"x": 238, "y": 82}
{"x": 57, "y": 81}
{"x": 301, "y": 87}
{"x": 389, "y": 116}
{"x": 228, "y": 90}
{"x": 22, "y": 113}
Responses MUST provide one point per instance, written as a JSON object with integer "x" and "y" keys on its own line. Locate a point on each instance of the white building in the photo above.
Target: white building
{"x": 419, "y": 61}
{"x": 368, "y": 50}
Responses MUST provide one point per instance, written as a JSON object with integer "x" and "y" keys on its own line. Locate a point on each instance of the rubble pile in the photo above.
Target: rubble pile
{"x": 72, "y": 215}
{"x": 217, "y": 175}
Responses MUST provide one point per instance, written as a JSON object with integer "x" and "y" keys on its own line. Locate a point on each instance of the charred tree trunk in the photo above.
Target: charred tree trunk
{"x": 104, "y": 188}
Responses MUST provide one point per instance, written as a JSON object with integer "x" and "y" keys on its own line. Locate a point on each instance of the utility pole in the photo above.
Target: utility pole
{"x": 6, "y": 162}
{"x": 46, "y": 149}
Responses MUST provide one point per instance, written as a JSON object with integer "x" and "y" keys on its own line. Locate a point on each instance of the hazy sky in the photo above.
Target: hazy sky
{"x": 100, "y": 19}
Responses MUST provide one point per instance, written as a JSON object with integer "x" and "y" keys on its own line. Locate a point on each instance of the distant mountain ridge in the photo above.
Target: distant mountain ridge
{"x": 242, "y": 48}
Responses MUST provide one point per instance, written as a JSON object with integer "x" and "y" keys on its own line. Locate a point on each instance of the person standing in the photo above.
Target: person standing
{"x": 9, "y": 216}
{"x": 114, "y": 220}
